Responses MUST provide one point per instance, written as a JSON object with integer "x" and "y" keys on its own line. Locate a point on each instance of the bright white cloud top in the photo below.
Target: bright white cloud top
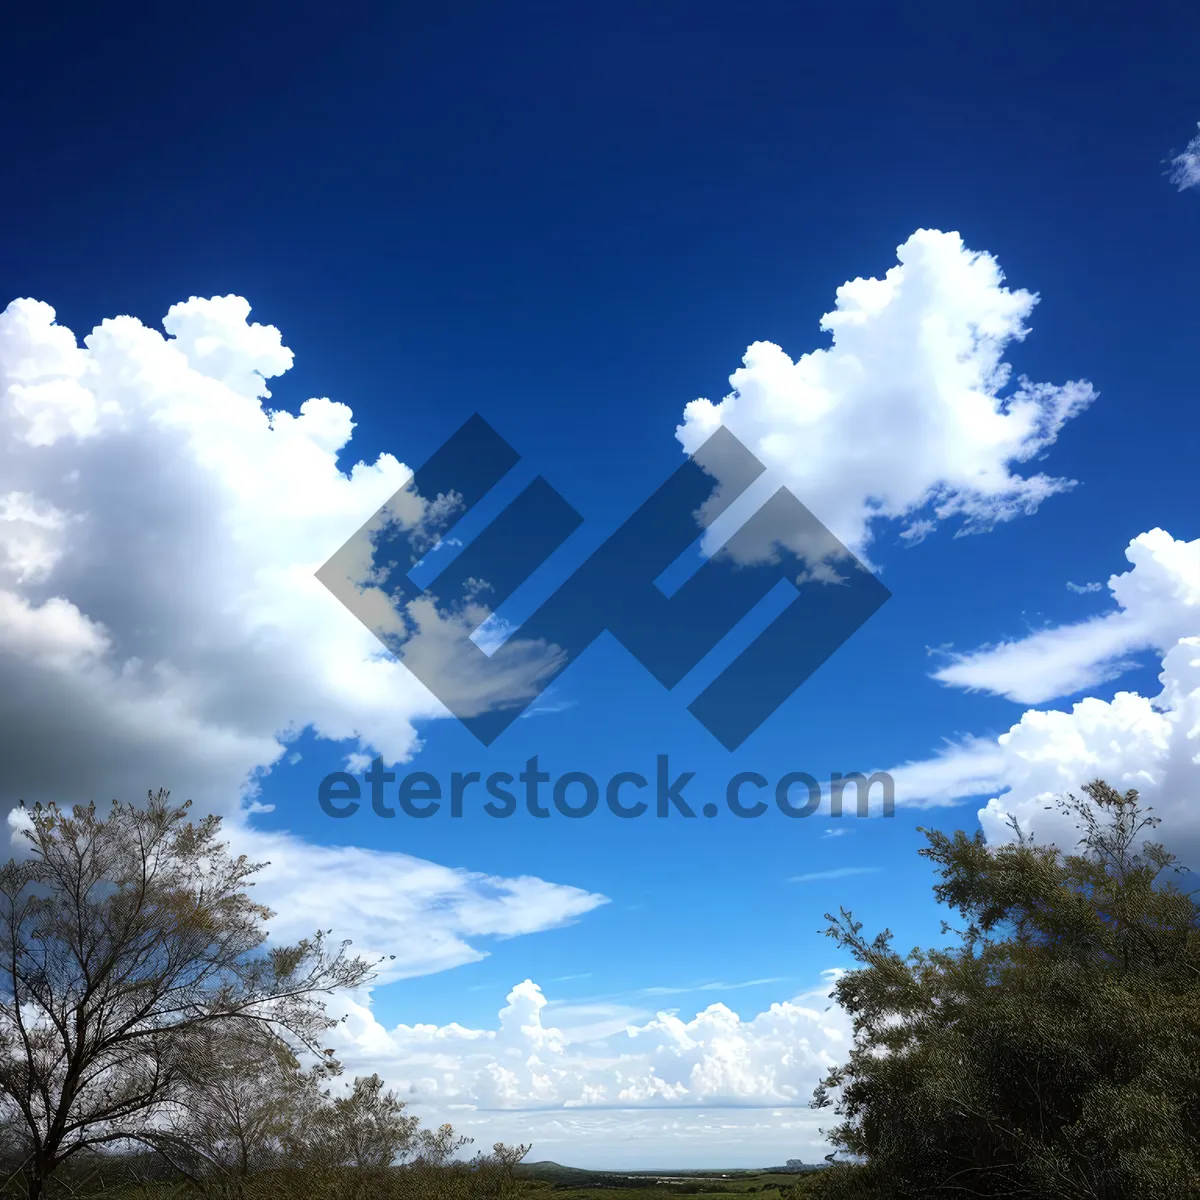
{"x": 908, "y": 414}
{"x": 603, "y": 1057}
{"x": 591, "y": 1074}
{"x": 158, "y": 539}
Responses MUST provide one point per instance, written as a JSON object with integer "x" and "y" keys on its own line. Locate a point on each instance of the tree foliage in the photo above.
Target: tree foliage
{"x": 1054, "y": 1050}
{"x": 257, "y": 1122}
{"x": 129, "y": 949}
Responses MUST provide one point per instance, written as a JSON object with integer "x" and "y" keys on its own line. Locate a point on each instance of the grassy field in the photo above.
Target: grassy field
{"x": 557, "y": 1182}
{"x": 768, "y": 1187}
{"x": 533, "y": 1181}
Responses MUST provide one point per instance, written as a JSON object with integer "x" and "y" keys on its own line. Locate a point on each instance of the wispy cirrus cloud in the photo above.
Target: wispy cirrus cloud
{"x": 711, "y": 986}
{"x": 970, "y": 766}
{"x": 834, "y": 873}
{"x": 1184, "y": 171}
{"x": 1157, "y": 602}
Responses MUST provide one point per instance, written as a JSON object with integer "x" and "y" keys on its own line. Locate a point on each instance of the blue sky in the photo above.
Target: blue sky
{"x": 576, "y": 222}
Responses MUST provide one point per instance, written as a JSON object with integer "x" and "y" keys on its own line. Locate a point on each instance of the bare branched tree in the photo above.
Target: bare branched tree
{"x": 365, "y": 1128}
{"x": 241, "y": 1106}
{"x": 128, "y": 945}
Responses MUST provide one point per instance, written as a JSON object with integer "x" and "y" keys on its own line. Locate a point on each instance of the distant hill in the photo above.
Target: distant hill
{"x": 556, "y": 1173}
{"x": 553, "y": 1172}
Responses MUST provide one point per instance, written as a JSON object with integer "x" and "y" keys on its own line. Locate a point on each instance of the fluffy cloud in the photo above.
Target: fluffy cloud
{"x": 160, "y": 622}
{"x": 1151, "y": 743}
{"x": 591, "y": 1059}
{"x": 160, "y": 619}
{"x": 909, "y": 414}
{"x": 1132, "y": 741}
{"x": 158, "y": 541}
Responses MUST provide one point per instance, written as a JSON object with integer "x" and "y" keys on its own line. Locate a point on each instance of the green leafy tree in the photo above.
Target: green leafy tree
{"x": 1054, "y": 1051}
{"x": 129, "y": 946}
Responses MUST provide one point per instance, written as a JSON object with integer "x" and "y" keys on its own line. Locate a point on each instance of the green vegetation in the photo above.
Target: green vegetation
{"x": 150, "y": 1046}
{"x": 1055, "y": 1050}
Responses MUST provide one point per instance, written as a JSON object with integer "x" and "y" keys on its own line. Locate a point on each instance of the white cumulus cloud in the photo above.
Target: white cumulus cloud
{"x": 161, "y": 623}
{"x": 527, "y": 1062}
{"x": 158, "y": 536}
{"x": 912, "y": 413}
